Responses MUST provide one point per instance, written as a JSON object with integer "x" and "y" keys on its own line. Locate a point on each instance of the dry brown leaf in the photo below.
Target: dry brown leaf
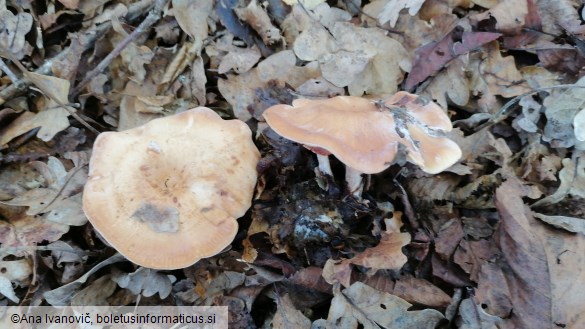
{"x": 241, "y": 60}
{"x": 96, "y": 293}
{"x": 530, "y": 115}
{"x": 572, "y": 178}
{"x": 13, "y": 29}
{"x": 431, "y": 57}
{"x": 130, "y": 116}
{"x": 526, "y": 269}
{"x": 71, "y": 4}
{"x": 386, "y": 255}
{"x": 59, "y": 199}
{"x": 579, "y": 125}
{"x": 310, "y": 4}
{"x": 421, "y": 292}
{"x": 559, "y": 15}
{"x": 560, "y": 110}
{"x": 509, "y": 14}
{"x": 7, "y": 290}
{"x": 210, "y": 285}
{"x": 108, "y": 14}
{"x": 241, "y": 91}
{"x": 135, "y": 57}
{"x": 65, "y": 261}
{"x": 363, "y": 59}
{"x": 471, "y": 255}
{"x": 472, "y": 316}
{"x": 192, "y": 17}
{"x": 27, "y": 231}
{"x": 565, "y": 253}
{"x": 152, "y": 104}
{"x": 145, "y": 282}
{"x": 50, "y": 121}
{"x": 541, "y": 278}
{"x": 19, "y": 272}
{"x": 451, "y": 84}
{"x": 448, "y": 238}
{"x": 434, "y": 8}
{"x": 62, "y": 296}
{"x": 393, "y": 7}
{"x": 571, "y": 224}
{"x": 259, "y": 20}
{"x": 287, "y": 316}
{"x": 363, "y": 306}
{"x": 500, "y": 73}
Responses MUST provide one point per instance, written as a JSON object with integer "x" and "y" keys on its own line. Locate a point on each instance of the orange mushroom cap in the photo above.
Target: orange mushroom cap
{"x": 364, "y": 134}
{"x": 168, "y": 193}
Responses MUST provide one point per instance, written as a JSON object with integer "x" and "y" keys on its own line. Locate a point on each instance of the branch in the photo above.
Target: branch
{"x": 153, "y": 17}
{"x": 90, "y": 36}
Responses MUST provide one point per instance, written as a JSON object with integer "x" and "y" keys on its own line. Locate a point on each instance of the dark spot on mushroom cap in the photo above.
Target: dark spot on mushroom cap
{"x": 165, "y": 219}
{"x": 206, "y": 209}
{"x": 236, "y": 160}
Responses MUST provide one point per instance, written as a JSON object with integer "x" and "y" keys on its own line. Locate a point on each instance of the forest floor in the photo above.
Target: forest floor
{"x": 497, "y": 240}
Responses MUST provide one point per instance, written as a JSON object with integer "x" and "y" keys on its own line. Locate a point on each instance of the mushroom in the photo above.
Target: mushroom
{"x": 168, "y": 193}
{"x": 365, "y": 134}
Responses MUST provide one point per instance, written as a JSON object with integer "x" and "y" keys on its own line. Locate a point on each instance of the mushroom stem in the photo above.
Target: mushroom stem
{"x": 354, "y": 181}
{"x": 324, "y": 166}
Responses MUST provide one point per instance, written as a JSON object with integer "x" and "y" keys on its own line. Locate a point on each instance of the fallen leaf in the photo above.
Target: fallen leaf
{"x": 287, "y": 316}
{"x": 7, "y": 290}
{"x": 19, "y": 272}
{"x": 433, "y": 56}
{"x": 25, "y": 232}
{"x": 96, "y": 293}
{"x": 145, "y": 282}
{"x": 565, "y": 257}
{"x": 393, "y": 7}
{"x": 192, "y": 17}
{"x": 386, "y": 255}
{"x": 363, "y": 306}
{"x": 500, "y": 73}
{"x": 473, "y": 316}
{"x": 13, "y": 29}
{"x": 510, "y": 15}
{"x": 471, "y": 255}
{"x": 50, "y": 121}
{"x": 421, "y": 292}
{"x": 579, "y": 125}
{"x": 62, "y": 296}
{"x": 571, "y": 224}
{"x": 561, "y": 110}
{"x": 242, "y": 91}
{"x": 526, "y": 269}
{"x": 572, "y": 178}
{"x": 241, "y": 60}
{"x": 258, "y": 19}
{"x": 448, "y": 238}
{"x": 310, "y": 4}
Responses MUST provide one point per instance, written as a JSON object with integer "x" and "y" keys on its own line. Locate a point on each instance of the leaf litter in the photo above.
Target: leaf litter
{"x": 494, "y": 241}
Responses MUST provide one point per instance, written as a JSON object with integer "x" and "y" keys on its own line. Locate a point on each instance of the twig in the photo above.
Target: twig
{"x": 71, "y": 112}
{"x": 504, "y": 111}
{"x": 12, "y": 250}
{"x": 89, "y": 37}
{"x": 408, "y": 210}
{"x": 153, "y": 17}
{"x": 78, "y": 169}
{"x": 8, "y": 71}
